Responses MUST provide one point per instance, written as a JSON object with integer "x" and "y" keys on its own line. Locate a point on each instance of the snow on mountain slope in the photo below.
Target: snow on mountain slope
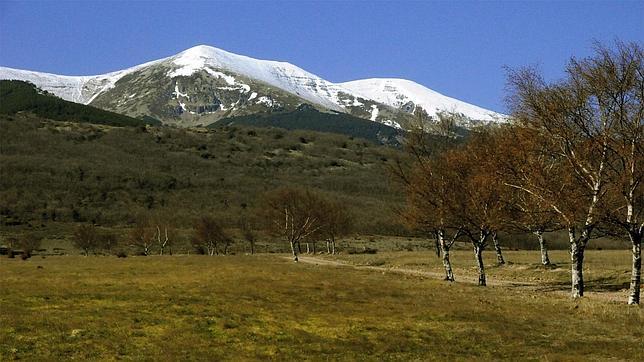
{"x": 399, "y": 92}
{"x": 79, "y": 89}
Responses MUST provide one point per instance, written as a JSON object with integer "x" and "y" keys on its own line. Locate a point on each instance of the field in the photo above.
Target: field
{"x": 246, "y": 307}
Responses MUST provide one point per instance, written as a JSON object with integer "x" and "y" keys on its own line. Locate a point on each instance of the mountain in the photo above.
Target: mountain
{"x": 203, "y": 84}
{"x": 19, "y": 96}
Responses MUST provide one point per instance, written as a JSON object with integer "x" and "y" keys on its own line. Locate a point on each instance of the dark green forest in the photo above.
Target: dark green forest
{"x": 308, "y": 118}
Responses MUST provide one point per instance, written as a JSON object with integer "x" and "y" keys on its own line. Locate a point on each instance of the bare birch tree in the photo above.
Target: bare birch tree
{"x": 142, "y": 236}
{"x": 209, "y": 234}
{"x": 293, "y": 215}
{"x": 86, "y": 238}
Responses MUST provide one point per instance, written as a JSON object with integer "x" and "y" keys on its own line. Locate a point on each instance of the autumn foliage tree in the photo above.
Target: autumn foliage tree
{"x": 429, "y": 184}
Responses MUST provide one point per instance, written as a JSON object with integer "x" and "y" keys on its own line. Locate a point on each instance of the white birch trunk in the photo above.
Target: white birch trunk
{"x": 449, "y": 274}
{"x": 328, "y": 246}
{"x": 636, "y": 273}
{"x": 478, "y": 252}
{"x": 293, "y": 251}
{"x": 577, "y": 264}
{"x": 497, "y": 249}
{"x": 545, "y": 260}
{"x": 333, "y": 246}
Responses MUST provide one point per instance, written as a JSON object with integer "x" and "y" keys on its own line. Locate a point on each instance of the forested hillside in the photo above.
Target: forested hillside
{"x": 78, "y": 172}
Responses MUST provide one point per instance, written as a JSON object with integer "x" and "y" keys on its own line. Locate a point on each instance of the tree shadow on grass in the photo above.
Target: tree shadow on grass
{"x": 599, "y": 285}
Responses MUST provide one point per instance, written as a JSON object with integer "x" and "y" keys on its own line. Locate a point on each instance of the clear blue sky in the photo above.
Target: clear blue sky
{"x": 456, "y": 48}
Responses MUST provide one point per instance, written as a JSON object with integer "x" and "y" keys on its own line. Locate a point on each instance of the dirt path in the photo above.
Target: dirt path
{"x": 469, "y": 279}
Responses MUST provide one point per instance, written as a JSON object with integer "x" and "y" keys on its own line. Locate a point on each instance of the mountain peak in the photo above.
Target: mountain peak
{"x": 238, "y": 83}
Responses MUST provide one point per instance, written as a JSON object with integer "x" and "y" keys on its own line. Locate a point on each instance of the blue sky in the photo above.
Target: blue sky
{"x": 457, "y": 48}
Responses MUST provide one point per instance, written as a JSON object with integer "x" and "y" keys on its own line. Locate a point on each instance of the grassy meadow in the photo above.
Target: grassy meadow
{"x": 247, "y": 307}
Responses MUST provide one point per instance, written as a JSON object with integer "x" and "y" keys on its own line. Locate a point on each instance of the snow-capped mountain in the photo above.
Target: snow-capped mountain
{"x": 204, "y": 84}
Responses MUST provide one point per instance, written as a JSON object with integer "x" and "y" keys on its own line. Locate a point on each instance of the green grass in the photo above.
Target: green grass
{"x": 266, "y": 307}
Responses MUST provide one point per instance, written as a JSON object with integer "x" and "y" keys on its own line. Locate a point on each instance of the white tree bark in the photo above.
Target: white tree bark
{"x": 292, "y": 243}
{"x": 545, "y": 260}
{"x": 478, "y": 252}
{"x": 636, "y": 273}
{"x": 497, "y": 249}
{"x": 577, "y": 248}
{"x": 449, "y": 274}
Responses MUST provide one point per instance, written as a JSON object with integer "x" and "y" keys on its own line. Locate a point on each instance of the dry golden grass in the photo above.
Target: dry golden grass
{"x": 266, "y": 307}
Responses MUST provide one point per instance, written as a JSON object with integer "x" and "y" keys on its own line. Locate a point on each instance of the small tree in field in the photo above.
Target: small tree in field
{"x": 336, "y": 222}
{"x": 86, "y": 238}
{"x": 164, "y": 232}
{"x": 430, "y": 201}
{"x": 429, "y": 188}
{"x": 479, "y": 206}
{"x": 209, "y": 234}
{"x": 29, "y": 243}
{"x": 142, "y": 236}
{"x": 293, "y": 214}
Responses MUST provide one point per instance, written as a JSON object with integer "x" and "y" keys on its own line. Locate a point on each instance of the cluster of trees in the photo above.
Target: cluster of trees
{"x": 569, "y": 159}
{"x": 299, "y": 215}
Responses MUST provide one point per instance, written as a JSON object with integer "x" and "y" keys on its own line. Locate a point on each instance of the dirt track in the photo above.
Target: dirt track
{"x": 469, "y": 279}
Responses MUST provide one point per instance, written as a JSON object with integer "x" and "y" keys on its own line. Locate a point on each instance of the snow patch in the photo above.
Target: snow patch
{"x": 252, "y": 96}
{"x": 374, "y": 112}
{"x": 265, "y": 101}
{"x": 391, "y": 123}
{"x": 177, "y": 93}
